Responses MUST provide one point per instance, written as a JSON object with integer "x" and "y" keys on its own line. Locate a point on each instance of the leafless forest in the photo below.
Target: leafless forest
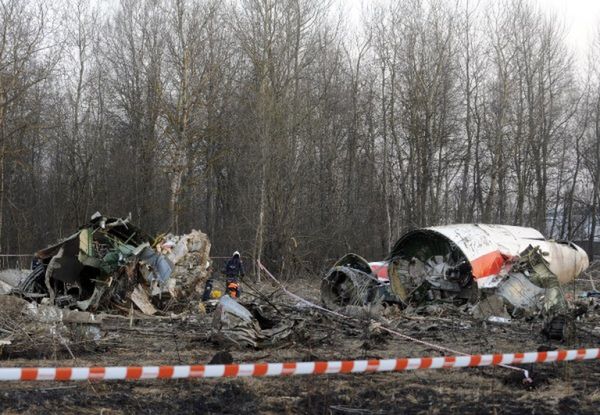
{"x": 281, "y": 129}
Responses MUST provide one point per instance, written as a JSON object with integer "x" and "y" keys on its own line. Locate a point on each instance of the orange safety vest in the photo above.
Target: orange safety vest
{"x": 232, "y": 289}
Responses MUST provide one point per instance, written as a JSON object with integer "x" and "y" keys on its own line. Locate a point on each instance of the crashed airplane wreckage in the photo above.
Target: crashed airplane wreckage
{"x": 111, "y": 266}
{"x": 110, "y": 263}
{"x": 504, "y": 271}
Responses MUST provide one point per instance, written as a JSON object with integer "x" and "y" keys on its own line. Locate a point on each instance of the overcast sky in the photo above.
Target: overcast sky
{"x": 581, "y": 18}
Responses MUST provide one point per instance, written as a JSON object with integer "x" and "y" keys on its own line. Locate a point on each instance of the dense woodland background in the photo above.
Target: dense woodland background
{"x": 283, "y": 130}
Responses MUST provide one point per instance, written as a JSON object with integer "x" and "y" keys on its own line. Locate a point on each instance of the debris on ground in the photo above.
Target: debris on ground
{"x": 234, "y": 324}
{"x": 29, "y": 328}
{"x": 11, "y": 278}
{"x": 320, "y": 336}
{"x": 110, "y": 264}
{"x": 352, "y": 281}
{"x": 349, "y": 282}
{"x": 132, "y": 299}
{"x": 497, "y": 272}
{"x": 190, "y": 253}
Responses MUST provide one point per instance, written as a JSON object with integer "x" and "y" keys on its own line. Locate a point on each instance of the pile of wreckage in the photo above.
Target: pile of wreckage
{"x": 497, "y": 272}
{"x": 110, "y": 266}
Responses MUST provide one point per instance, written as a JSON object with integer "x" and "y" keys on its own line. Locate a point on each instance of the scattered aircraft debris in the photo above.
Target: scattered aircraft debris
{"x": 503, "y": 271}
{"x": 353, "y": 281}
{"x": 492, "y": 273}
{"x": 111, "y": 264}
{"x": 234, "y": 324}
{"x": 29, "y": 327}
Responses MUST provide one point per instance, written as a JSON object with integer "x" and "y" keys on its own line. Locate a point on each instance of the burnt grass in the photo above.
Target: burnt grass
{"x": 569, "y": 388}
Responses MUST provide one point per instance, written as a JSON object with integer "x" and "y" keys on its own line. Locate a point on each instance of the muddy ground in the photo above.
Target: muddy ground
{"x": 557, "y": 388}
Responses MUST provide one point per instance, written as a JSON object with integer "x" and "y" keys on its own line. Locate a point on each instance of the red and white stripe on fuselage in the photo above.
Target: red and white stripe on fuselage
{"x": 487, "y": 269}
{"x": 380, "y": 269}
{"x": 484, "y": 268}
{"x": 489, "y": 248}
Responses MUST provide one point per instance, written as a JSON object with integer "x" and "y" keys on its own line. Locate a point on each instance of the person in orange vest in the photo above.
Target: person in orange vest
{"x": 234, "y": 269}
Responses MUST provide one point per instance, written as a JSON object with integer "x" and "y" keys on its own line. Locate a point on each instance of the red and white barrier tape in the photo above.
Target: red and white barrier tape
{"x": 288, "y": 369}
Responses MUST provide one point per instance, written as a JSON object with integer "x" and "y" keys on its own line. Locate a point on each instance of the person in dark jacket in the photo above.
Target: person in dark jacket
{"x": 234, "y": 268}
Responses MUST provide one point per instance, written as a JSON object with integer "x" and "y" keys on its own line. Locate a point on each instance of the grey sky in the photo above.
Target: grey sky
{"x": 581, "y": 18}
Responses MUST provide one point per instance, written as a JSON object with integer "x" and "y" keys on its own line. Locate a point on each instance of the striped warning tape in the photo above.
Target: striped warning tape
{"x": 287, "y": 369}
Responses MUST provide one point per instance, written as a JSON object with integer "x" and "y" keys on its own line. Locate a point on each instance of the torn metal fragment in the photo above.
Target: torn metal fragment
{"x": 77, "y": 271}
{"x": 351, "y": 282}
{"x": 160, "y": 265}
{"x": 491, "y": 306}
{"x": 233, "y": 324}
{"x": 520, "y": 293}
{"x": 141, "y": 299}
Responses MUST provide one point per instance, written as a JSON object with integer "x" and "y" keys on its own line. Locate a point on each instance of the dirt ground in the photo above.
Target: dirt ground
{"x": 557, "y": 388}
